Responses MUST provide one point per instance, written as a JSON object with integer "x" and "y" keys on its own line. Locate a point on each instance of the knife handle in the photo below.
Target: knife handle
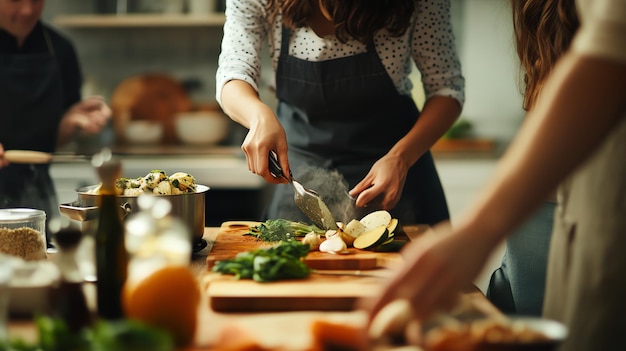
{"x": 275, "y": 169}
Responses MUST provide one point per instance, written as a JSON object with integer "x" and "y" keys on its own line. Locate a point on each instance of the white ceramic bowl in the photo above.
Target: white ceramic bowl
{"x": 143, "y": 132}
{"x": 202, "y": 127}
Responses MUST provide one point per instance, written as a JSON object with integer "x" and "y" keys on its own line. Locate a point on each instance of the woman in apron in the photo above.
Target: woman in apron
{"x": 344, "y": 100}
{"x": 40, "y": 103}
{"x": 575, "y": 137}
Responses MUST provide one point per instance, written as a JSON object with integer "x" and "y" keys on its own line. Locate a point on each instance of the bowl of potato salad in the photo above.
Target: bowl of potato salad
{"x": 187, "y": 198}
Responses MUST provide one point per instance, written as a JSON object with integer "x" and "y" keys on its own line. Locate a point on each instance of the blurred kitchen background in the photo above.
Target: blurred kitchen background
{"x": 121, "y": 41}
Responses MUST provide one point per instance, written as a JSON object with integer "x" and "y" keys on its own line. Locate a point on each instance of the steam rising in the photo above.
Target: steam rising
{"x": 333, "y": 189}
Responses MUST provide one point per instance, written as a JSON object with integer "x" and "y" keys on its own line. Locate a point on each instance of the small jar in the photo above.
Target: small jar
{"x": 23, "y": 233}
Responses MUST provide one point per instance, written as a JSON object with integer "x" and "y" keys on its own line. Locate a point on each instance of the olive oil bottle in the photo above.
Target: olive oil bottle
{"x": 111, "y": 255}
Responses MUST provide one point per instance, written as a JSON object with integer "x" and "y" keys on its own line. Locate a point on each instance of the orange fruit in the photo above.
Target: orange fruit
{"x": 167, "y": 299}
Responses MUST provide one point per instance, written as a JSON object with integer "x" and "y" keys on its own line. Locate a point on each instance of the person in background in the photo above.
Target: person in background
{"x": 344, "y": 97}
{"x": 41, "y": 106}
{"x": 574, "y": 137}
{"x": 543, "y": 32}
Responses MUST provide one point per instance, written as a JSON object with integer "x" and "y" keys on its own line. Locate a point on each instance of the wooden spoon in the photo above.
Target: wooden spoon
{"x": 27, "y": 156}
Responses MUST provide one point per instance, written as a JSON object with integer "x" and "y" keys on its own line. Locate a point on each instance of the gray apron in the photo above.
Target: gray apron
{"x": 341, "y": 116}
{"x": 31, "y": 100}
{"x": 586, "y": 280}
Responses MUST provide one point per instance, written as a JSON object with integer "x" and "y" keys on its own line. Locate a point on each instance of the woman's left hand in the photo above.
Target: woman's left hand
{"x": 383, "y": 184}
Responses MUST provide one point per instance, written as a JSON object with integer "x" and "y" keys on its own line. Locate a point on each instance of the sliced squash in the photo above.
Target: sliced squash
{"x": 391, "y": 246}
{"x": 376, "y": 219}
{"x": 393, "y": 225}
{"x": 372, "y": 238}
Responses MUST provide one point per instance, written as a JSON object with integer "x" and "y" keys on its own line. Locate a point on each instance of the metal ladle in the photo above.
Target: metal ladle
{"x": 309, "y": 202}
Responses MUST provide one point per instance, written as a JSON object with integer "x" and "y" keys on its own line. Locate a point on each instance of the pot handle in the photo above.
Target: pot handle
{"x": 126, "y": 208}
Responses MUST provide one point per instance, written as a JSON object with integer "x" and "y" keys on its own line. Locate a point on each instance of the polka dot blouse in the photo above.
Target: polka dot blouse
{"x": 429, "y": 42}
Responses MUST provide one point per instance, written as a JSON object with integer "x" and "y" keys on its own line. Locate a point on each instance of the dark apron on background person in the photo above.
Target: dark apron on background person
{"x": 344, "y": 114}
{"x": 31, "y": 107}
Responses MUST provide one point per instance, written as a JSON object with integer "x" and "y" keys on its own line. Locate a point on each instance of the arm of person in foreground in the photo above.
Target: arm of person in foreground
{"x": 582, "y": 102}
{"x": 242, "y": 104}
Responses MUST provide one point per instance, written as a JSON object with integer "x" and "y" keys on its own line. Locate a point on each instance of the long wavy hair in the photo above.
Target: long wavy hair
{"x": 543, "y": 31}
{"x": 352, "y": 18}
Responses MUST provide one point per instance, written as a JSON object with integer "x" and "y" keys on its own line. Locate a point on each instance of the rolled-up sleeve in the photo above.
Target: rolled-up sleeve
{"x": 434, "y": 51}
{"x": 245, "y": 31}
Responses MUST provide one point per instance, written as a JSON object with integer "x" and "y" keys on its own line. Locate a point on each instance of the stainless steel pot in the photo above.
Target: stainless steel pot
{"x": 189, "y": 207}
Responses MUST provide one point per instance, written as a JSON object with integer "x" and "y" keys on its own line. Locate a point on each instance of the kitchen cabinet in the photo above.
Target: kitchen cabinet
{"x": 139, "y": 20}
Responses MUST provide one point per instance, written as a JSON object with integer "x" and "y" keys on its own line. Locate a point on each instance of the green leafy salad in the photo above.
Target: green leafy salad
{"x": 283, "y": 261}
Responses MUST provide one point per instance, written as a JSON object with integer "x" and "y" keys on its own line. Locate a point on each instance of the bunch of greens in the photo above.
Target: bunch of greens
{"x": 122, "y": 335}
{"x": 283, "y": 261}
{"x": 275, "y": 230}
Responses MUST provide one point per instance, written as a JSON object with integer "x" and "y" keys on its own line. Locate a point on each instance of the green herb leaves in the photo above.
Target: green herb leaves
{"x": 283, "y": 261}
{"x": 275, "y": 230}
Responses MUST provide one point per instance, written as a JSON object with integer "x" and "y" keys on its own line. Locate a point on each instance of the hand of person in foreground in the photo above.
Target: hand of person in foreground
{"x": 438, "y": 267}
{"x": 383, "y": 184}
{"x": 88, "y": 116}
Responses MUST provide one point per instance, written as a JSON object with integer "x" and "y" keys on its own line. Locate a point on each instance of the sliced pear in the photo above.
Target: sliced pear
{"x": 371, "y": 238}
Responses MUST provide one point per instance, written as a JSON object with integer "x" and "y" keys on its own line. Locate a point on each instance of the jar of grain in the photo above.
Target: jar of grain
{"x": 23, "y": 233}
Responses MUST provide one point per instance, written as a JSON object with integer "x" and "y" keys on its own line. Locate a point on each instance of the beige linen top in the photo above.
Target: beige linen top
{"x": 586, "y": 281}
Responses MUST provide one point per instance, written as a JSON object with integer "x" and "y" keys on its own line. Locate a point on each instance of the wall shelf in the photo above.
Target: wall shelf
{"x": 139, "y": 20}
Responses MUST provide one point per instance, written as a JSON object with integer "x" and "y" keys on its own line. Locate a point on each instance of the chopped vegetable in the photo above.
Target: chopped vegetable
{"x": 313, "y": 240}
{"x": 372, "y": 238}
{"x": 283, "y": 261}
{"x": 275, "y": 230}
{"x": 376, "y": 219}
{"x": 333, "y": 244}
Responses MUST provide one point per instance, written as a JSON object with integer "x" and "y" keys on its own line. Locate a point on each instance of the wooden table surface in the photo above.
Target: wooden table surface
{"x": 288, "y": 330}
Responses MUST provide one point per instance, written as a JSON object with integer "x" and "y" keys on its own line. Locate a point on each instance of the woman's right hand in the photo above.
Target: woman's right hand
{"x": 265, "y": 134}
{"x": 242, "y": 104}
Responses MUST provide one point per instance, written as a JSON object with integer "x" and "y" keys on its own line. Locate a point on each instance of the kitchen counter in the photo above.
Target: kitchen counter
{"x": 289, "y": 330}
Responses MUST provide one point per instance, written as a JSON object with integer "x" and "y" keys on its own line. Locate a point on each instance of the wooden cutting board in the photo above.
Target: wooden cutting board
{"x": 341, "y": 279}
{"x": 231, "y": 240}
{"x": 319, "y": 292}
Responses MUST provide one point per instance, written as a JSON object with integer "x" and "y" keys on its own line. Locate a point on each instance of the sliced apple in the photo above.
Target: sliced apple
{"x": 372, "y": 238}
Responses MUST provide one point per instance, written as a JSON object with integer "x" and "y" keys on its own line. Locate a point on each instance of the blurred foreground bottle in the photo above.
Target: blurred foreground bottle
{"x": 70, "y": 302}
{"x": 111, "y": 256}
{"x": 161, "y": 290}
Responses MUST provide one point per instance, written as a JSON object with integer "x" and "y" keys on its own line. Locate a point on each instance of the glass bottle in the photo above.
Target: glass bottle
{"x": 111, "y": 255}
